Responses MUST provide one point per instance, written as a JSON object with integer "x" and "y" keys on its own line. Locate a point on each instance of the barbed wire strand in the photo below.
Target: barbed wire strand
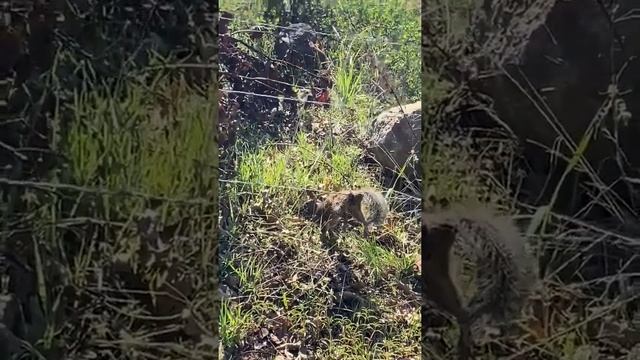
{"x": 284, "y": 98}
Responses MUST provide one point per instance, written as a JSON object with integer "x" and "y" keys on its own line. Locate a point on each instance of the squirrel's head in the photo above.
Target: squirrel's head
{"x": 437, "y": 240}
{"x": 355, "y": 198}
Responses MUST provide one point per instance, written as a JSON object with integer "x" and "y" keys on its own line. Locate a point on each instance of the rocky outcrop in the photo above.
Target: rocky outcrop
{"x": 560, "y": 73}
{"x": 396, "y": 138}
{"x": 294, "y": 44}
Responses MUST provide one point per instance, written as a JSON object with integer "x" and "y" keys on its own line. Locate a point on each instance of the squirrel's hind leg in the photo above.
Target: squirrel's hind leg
{"x": 367, "y": 230}
{"x": 465, "y": 340}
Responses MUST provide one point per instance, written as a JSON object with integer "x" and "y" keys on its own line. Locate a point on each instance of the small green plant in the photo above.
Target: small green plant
{"x": 233, "y": 322}
{"x": 145, "y": 143}
{"x": 348, "y": 80}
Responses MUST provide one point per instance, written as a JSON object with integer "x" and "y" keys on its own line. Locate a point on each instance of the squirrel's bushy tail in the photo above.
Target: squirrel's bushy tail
{"x": 490, "y": 262}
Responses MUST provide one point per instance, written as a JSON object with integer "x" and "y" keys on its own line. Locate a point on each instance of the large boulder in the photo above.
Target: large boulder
{"x": 548, "y": 67}
{"x": 294, "y": 44}
{"x": 396, "y": 138}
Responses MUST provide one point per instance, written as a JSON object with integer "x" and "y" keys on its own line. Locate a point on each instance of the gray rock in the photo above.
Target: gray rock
{"x": 550, "y": 78}
{"x": 396, "y": 137}
{"x": 293, "y": 45}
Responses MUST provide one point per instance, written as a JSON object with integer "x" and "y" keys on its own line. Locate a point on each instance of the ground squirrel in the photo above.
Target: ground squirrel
{"x": 475, "y": 264}
{"x": 367, "y": 206}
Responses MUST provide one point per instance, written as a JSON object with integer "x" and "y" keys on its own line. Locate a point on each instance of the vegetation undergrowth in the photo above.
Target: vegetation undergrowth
{"x": 288, "y": 292}
{"x": 108, "y": 180}
{"x": 147, "y": 147}
{"x": 579, "y": 313}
